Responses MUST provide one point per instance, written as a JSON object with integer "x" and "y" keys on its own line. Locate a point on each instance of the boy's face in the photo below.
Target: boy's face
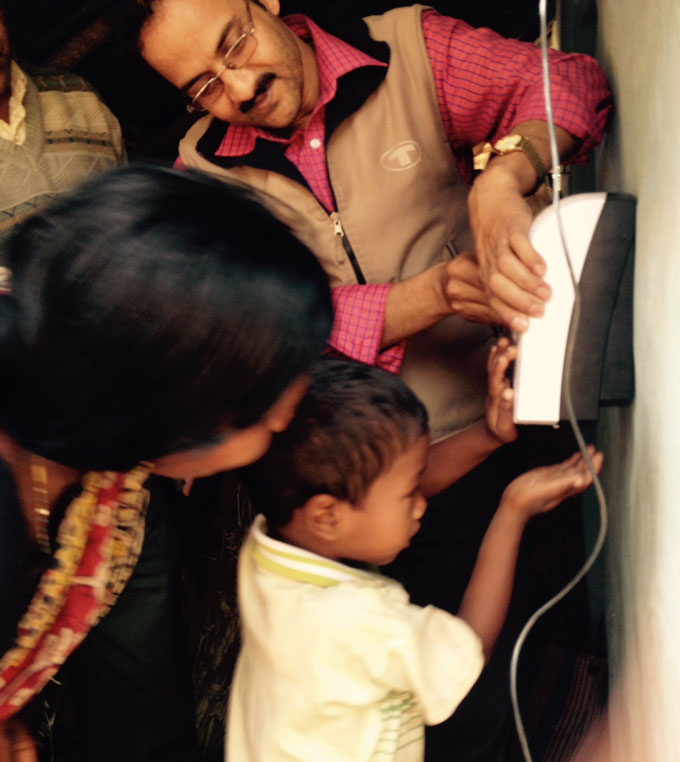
{"x": 388, "y": 516}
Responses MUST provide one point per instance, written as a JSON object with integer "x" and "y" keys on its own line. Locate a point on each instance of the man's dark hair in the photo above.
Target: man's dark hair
{"x": 130, "y": 17}
{"x": 354, "y": 421}
{"x": 150, "y": 311}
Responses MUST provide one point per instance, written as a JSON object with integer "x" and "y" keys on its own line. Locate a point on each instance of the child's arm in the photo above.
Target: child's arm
{"x": 486, "y": 599}
{"x": 451, "y": 459}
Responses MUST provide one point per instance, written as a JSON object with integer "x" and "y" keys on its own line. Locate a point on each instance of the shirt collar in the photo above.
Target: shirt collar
{"x": 15, "y": 129}
{"x": 296, "y": 563}
{"x": 334, "y": 59}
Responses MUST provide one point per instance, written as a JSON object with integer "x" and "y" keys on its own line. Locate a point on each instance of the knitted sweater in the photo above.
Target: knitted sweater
{"x": 70, "y": 134}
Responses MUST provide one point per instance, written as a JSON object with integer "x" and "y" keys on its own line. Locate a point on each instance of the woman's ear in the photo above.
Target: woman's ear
{"x": 281, "y": 413}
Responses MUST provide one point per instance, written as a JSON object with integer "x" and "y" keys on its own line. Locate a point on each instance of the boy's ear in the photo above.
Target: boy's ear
{"x": 323, "y": 517}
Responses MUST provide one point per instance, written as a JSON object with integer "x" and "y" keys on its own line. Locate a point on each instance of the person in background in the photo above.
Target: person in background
{"x": 54, "y": 132}
{"x": 152, "y": 324}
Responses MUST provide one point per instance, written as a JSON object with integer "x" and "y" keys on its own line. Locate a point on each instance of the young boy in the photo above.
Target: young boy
{"x": 336, "y": 664}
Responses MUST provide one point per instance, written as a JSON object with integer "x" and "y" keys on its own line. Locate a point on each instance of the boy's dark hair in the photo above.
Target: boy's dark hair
{"x": 348, "y": 429}
{"x": 151, "y": 310}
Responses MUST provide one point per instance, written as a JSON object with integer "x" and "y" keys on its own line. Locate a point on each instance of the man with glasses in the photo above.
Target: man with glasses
{"x": 364, "y": 149}
{"x": 361, "y": 141}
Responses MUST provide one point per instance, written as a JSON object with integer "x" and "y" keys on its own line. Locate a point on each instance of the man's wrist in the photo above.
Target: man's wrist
{"x": 524, "y": 170}
{"x": 512, "y": 144}
{"x": 510, "y": 174}
{"x": 440, "y": 279}
{"x": 414, "y": 304}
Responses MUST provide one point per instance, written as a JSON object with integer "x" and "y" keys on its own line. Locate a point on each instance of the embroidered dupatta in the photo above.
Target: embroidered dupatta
{"x": 98, "y": 544}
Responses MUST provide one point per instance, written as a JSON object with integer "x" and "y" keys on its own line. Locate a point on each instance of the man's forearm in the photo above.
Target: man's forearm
{"x": 413, "y": 305}
{"x": 453, "y": 287}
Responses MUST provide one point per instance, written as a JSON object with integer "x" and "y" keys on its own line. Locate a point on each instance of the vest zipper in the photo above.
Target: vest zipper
{"x": 338, "y": 230}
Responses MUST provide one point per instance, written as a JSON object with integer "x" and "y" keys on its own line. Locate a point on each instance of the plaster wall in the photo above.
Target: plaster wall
{"x": 639, "y": 48}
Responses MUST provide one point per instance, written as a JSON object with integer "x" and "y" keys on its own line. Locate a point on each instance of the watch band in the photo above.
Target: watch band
{"x": 511, "y": 144}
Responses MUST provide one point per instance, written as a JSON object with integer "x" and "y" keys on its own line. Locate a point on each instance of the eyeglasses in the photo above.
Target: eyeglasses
{"x": 206, "y": 90}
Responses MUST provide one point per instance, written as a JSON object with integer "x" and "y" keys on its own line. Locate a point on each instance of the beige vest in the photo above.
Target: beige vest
{"x": 403, "y": 208}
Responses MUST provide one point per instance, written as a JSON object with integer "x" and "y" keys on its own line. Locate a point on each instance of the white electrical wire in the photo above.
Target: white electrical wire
{"x": 556, "y": 177}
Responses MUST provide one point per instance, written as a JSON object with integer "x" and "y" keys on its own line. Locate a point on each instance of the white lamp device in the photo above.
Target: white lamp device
{"x": 599, "y": 229}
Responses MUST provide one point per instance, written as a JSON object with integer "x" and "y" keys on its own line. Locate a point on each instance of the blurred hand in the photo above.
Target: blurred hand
{"x": 499, "y": 400}
{"x": 542, "y": 489}
{"x": 16, "y": 744}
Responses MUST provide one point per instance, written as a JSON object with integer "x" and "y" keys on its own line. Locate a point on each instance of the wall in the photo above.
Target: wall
{"x": 639, "y": 47}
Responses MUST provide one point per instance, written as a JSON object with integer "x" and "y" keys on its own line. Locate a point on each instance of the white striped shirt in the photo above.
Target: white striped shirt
{"x": 336, "y": 664}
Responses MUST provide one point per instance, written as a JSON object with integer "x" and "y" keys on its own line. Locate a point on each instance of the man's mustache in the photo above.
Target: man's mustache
{"x": 262, "y": 86}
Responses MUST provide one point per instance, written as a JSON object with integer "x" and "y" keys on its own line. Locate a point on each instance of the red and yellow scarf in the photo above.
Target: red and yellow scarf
{"x": 98, "y": 544}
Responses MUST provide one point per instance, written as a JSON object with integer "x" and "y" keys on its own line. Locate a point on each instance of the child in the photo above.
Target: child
{"x": 336, "y": 664}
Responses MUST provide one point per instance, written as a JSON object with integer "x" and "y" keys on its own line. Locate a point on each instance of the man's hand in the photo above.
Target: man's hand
{"x": 447, "y": 288}
{"x": 463, "y": 290}
{"x": 16, "y": 744}
{"x": 499, "y": 398}
{"x": 542, "y": 489}
{"x": 510, "y": 268}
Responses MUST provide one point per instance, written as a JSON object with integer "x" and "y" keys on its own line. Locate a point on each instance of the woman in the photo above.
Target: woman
{"x": 152, "y": 324}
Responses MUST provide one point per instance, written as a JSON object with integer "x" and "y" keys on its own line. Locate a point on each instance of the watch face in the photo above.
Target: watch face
{"x": 508, "y": 143}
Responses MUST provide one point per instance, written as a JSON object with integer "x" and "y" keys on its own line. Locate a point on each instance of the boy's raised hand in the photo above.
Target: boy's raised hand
{"x": 542, "y": 489}
{"x": 487, "y": 596}
{"x": 452, "y": 458}
{"x": 500, "y": 395}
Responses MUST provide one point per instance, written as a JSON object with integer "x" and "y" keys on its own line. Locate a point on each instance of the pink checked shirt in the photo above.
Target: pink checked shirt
{"x": 485, "y": 85}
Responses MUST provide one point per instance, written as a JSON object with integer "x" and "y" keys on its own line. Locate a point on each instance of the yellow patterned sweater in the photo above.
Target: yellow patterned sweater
{"x": 69, "y": 135}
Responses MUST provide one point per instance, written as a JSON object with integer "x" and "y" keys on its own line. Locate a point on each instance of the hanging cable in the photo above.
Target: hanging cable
{"x": 556, "y": 190}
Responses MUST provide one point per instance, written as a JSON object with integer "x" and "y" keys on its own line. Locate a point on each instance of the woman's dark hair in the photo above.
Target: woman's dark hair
{"x": 150, "y": 310}
{"x": 351, "y": 425}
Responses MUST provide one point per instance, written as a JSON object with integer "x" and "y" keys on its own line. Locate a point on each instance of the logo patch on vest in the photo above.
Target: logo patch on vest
{"x": 403, "y": 156}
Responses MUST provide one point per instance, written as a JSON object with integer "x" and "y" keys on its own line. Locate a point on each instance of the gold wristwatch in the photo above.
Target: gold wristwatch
{"x": 510, "y": 144}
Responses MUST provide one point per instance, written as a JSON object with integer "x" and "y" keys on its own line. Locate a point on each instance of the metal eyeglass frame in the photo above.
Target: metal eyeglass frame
{"x": 194, "y": 104}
